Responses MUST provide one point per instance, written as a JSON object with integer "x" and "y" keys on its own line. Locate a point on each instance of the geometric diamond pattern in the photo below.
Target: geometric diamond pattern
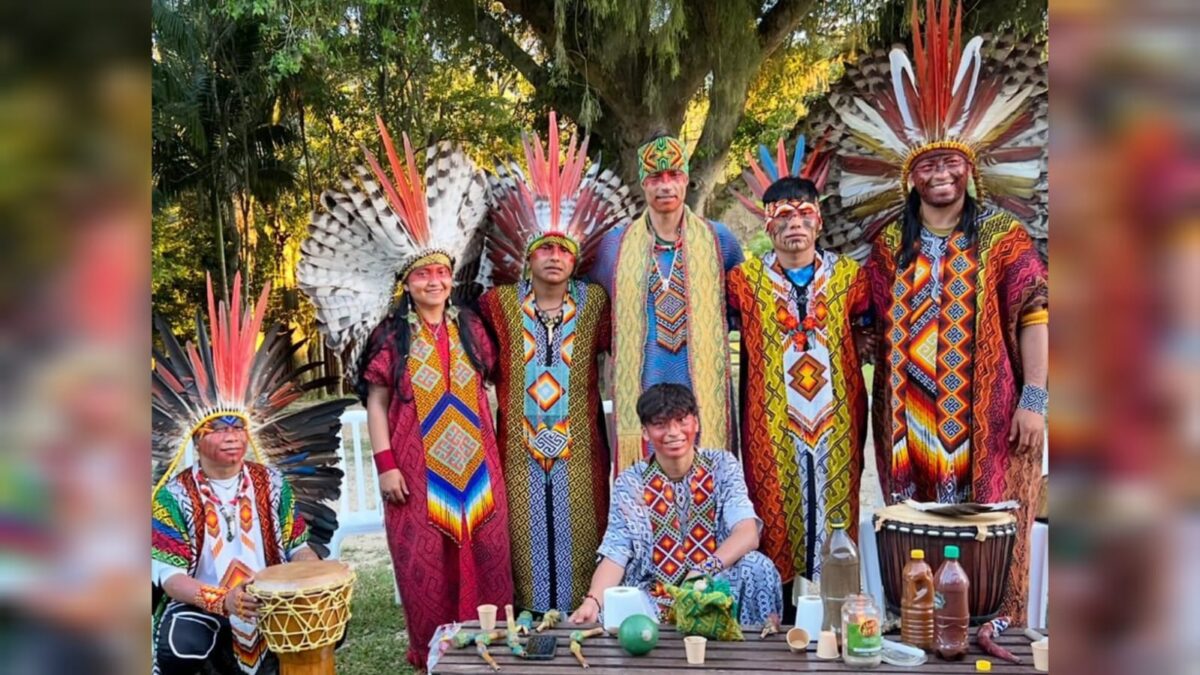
{"x": 455, "y": 447}
{"x": 545, "y": 391}
{"x": 672, "y": 547}
{"x": 670, "y": 304}
{"x": 462, "y": 373}
{"x": 807, "y": 376}
{"x": 427, "y": 377}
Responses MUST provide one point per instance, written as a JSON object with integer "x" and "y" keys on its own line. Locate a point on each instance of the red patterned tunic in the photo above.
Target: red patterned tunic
{"x": 440, "y": 581}
{"x": 948, "y": 372}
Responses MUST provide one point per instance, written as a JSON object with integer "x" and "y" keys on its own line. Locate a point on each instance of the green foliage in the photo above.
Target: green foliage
{"x": 376, "y": 641}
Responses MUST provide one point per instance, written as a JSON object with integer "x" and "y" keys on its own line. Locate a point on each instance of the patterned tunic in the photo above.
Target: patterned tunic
{"x": 803, "y": 409}
{"x": 187, "y": 536}
{"x": 440, "y": 580}
{"x": 557, "y": 488}
{"x": 631, "y": 543}
{"x": 949, "y": 372}
{"x": 669, "y": 308}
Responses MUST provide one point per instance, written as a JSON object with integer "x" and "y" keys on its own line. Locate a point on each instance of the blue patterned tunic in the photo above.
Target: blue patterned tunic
{"x": 629, "y": 540}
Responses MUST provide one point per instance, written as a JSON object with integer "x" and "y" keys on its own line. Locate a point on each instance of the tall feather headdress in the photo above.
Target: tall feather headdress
{"x": 236, "y": 369}
{"x": 557, "y": 200}
{"x": 376, "y": 230}
{"x": 760, "y": 173}
{"x": 987, "y": 99}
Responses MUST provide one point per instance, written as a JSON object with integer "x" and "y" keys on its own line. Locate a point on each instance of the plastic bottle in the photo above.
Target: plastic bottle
{"x": 951, "y": 613}
{"x": 839, "y": 575}
{"x": 862, "y": 635}
{"x": 916, "y": 602}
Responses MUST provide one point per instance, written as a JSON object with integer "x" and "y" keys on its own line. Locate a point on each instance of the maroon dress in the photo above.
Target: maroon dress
{"x": 439, "y": 580}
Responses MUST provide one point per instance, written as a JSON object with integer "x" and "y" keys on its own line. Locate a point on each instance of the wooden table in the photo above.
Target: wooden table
{"x": 755, "y": 655}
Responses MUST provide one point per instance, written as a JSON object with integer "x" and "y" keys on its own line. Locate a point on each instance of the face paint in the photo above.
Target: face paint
{"x": 941, "y": 176}
{"x": 551, "y": 262}
{"x": 222, "y": 441}
{"x": 665, "y": 190}
{"x": 793, "y": 224}
{"x": 673, "y": 438}
{"x": 430, "y": 285}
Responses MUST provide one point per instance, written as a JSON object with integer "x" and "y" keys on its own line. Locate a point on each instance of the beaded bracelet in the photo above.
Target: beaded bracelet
{"x": 593, "y": 599}
{"x": 713, "y": 565}
{"x": 1034, "y": 399}
{"x": 211, "y": 599}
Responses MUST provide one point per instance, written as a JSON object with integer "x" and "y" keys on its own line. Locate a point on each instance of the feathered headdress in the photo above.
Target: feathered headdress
{"x": 986, "y": 99}
{"x": 557, "y": 202}
{"x": 369, "y": 237}
{"x": 228, "y": 372}
{"x": 760, "y": 174}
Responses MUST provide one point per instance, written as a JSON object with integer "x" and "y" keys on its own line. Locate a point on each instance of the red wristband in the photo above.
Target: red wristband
{"x": 385, "y": 461}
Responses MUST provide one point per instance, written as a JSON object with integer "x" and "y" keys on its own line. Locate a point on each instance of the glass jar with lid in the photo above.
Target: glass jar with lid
{"x": 862, "y": 632}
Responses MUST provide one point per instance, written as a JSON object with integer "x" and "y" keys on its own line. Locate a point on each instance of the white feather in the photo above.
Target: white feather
{"x": 856, "y": 188}
{"x": 874, "y": 126}
{"x": 901, "y": 66}
{"x": 971, "y": 55}
{"x": 1004, "y": 107}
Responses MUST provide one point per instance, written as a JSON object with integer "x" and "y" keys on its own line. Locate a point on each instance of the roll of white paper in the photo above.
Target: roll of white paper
{"x": 621, "y": 602}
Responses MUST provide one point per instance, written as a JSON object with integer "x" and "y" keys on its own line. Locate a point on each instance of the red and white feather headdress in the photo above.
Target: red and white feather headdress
{"x": 556, "y": 201}
{"x": 985, "y": 99}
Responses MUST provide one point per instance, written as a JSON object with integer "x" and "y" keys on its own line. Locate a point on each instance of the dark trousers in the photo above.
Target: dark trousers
{"x": 191, "y": 641}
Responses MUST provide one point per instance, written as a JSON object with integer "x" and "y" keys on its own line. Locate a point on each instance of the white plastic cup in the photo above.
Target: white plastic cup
{"x": 694, "y": 646}
{"x": 487, "y": 617}
{"x": 1041, "y": 655}
{"x": 809, "y": 613}
{"x": 827, "y": 645}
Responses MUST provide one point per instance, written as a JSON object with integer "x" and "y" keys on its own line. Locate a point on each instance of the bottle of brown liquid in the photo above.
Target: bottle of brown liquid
{"x": 916, "y": 603}
{"x": 951, "y": 612}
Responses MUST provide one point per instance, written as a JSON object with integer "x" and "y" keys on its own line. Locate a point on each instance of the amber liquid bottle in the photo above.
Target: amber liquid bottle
{"x": 916, "y": 603}
{"x": 951, "y": 611}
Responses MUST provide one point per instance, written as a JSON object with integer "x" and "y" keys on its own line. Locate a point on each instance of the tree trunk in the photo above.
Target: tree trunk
{"x": 312, "y": 194}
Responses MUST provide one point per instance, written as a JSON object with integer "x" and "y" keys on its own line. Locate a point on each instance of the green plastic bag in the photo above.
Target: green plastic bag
{"x": 711, "y": 613}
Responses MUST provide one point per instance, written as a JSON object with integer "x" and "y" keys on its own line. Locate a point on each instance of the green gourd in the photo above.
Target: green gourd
{"x": 638, "y": 634}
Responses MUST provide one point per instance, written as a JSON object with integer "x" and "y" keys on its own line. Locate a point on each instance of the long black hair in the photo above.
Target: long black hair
{"x": 396, "y": 329}
{"x": 910, "y": 226}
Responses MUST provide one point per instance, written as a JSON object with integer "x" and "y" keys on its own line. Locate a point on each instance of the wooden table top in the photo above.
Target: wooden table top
{"x": 770, "y": 655}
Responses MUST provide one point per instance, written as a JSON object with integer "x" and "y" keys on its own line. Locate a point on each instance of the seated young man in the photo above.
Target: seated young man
{"x": 683, "y": 512}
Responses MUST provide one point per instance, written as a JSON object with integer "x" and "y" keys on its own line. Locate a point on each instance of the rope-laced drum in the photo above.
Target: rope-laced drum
{"x": 985, "y": 542}
{"x": 304, "y": 611}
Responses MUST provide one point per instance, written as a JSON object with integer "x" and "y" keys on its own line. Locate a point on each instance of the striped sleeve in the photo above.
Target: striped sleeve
{"x": 171, "y": 542}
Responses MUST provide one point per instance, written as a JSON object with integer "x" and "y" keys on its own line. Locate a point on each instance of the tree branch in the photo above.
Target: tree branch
{"x": 779, "y": 22}
{"x": 491, "y": 32}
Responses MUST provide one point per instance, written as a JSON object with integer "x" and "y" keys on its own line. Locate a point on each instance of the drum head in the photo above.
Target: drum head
{"x": 903, "y": 513}
{"x": 298, "y": 576}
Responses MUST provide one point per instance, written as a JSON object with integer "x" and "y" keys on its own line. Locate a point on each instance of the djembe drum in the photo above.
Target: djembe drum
{"x": 985, "y": 542}
{"x": 304, "y": 610}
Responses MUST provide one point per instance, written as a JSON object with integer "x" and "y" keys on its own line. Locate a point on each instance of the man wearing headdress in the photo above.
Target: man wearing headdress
{"x": 550, "y": 329}
{"x": 956, "y": 281}
{"x": 804, "y": 405}
{"x": 665, "y": 275}
{"x": 217, "y": 523}
{"x": 418, "y": 364}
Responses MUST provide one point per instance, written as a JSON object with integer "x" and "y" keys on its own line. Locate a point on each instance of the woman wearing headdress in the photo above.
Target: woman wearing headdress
{"x": 419, "y": 365}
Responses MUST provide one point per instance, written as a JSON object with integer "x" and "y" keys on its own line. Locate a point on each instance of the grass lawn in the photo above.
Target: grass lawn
{"x": 376, "y": 640}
